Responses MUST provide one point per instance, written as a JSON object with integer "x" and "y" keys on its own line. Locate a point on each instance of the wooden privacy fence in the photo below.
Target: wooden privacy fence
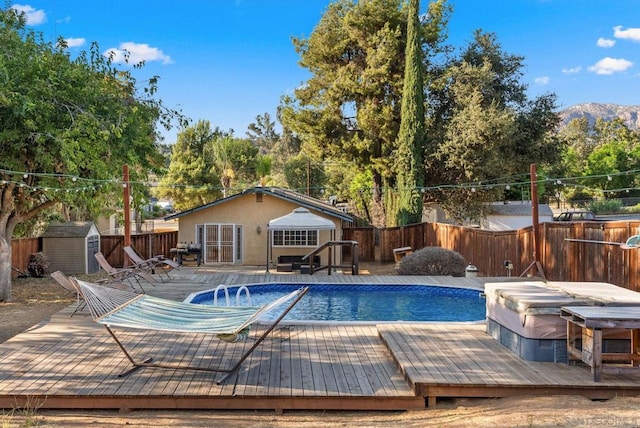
{"x": 589, "y": 259}
{"x": 561, "y": 260}
{"x": 487, "y": 250}
{"x": 21, "y": 250}
{"x": 148, "y": 245}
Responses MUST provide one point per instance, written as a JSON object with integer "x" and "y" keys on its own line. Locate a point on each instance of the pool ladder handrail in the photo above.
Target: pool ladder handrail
{"x": 226, "y": 295}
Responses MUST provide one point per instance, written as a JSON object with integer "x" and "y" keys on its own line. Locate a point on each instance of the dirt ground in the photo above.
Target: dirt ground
{"x": 35, "y": 300}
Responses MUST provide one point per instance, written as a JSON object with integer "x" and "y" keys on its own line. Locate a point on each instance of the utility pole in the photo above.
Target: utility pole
{"x": 536, "y": 224}
{"x": 534, "y": 213}
{"x": 127, "y": 211}
{"x": 308, "y": 177}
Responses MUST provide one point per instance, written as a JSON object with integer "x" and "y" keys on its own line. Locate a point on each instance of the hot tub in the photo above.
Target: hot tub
{"x": 525, "y": 316}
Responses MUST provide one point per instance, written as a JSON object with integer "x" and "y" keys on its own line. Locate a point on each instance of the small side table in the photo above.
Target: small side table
{"x": 587, "y": 323}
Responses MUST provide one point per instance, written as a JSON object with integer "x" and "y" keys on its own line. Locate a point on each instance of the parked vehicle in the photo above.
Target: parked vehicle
{"x": 581, "y": 215}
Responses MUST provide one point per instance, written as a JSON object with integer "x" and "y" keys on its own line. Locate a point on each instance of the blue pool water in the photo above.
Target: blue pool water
{"x": 331, "y": 302}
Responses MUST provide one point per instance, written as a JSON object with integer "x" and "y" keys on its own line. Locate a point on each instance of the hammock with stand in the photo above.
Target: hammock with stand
{"x": 124, "y": 309}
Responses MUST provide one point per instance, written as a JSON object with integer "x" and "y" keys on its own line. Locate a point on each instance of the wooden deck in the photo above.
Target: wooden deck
{"x": 71, "y": 362}
{"x": 463, "y": 361}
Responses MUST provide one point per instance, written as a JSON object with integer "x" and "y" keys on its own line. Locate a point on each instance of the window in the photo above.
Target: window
{"x": 295, "y": 238}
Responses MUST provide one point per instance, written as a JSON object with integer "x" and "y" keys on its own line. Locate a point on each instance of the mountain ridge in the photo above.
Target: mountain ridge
{"x": 630, "y": 115}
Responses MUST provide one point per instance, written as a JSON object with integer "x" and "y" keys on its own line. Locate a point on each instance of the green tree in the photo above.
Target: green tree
{"x": 286, "y": 148}
{"x": 189, "y": 179}
{"x": 68, "y": 126}
{"x": 263, "y": 133}
{"x": 263, "y": 169}
{"x": 578, "y": 135}
{"x": 617, "y": 153}
{"x": 484, "y": 127}
{"x": 233, "y": 160}
{"x": 205, "y": 164}
{"x": 409, "y": 166}
{"x": 305, "y": 176}
{"x": 473, "y": 150}
{"x": 605, "y": 131}
{"x": 606, "y": 162}
{"x": 577, "y": 138}
{"x": 351, "y": 184}
{"x": 350, "y": 107}
{"x": 604, "y": 148}
{"x": 360, "y": 193}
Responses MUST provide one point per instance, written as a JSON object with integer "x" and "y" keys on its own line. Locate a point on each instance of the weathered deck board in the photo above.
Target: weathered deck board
{"x": 73, "y": 362}
{"x": 87, "y": 364}
{"x": 306, "y": 375}
{"x": 456, "y": 359}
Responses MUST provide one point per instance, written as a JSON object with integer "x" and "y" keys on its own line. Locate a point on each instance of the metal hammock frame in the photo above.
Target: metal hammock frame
{"x": 121, "y": 308}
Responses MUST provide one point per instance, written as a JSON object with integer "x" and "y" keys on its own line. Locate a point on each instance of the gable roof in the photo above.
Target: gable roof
{"x": 73, "y": 229}
{"x": 277, "y": 192}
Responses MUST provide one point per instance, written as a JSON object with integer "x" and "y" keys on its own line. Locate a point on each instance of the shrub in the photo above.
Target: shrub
{"x": 433, "y": 261}
{"x": 38, "y": 265}
{"x": 606, "y": 206}
{"x": 634, "y": 209}
{"x": 580, "y": 199}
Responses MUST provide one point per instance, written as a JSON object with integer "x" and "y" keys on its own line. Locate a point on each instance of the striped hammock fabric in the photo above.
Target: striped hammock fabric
{"x": 121, "y": 308}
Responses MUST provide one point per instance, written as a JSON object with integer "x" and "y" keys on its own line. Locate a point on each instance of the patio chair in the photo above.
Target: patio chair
{"x": 123, "y": 309}
{"x": 154, "y": 264}
{"x": 125, "y": 274}
{"x": 66, "y": 283}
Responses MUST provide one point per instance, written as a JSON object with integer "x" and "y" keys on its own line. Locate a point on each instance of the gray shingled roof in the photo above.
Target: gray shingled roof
{"x": 72, "y": 229}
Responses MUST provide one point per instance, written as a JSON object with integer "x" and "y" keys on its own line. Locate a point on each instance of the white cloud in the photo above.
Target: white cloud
{"x": 572, "y": 70}
{"x": 610, "y": 65}
{"x": 137, "y": 53}
{"x": 605, "y": 43}
{"x": 629, "y": 33}
{"x": 33, "y": 16}
{"x": 74, "y": 42}
{"x": 541, "y": 80}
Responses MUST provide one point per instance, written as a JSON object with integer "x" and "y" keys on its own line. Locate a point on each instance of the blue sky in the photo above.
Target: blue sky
{"x": 228, "y": 61}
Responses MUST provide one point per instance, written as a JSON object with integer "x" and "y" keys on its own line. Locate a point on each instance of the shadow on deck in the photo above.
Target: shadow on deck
{"x": 71, "y": 362}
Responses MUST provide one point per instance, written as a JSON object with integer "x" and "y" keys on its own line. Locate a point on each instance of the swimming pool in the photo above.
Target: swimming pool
{"x": 348, "y": 302}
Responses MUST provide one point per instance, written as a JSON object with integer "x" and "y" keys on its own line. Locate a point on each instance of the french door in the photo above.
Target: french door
{"x": 222, "y": 243}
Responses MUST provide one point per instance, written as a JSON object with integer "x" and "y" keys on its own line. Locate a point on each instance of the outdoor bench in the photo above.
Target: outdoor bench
{"x": 294, "y": 262}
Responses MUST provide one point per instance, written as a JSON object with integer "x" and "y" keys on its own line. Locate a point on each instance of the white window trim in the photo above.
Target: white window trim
{"x": 296, "y": 242}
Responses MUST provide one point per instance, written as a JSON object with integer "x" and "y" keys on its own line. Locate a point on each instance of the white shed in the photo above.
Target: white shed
{"x": 514, "y": 215}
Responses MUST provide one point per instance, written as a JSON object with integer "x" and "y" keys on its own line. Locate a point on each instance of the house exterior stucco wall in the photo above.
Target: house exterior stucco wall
{"x": 245, "y": 210}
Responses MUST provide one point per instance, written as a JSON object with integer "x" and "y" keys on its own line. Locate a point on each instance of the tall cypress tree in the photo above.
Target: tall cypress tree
{"x": 409, "y": 164}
